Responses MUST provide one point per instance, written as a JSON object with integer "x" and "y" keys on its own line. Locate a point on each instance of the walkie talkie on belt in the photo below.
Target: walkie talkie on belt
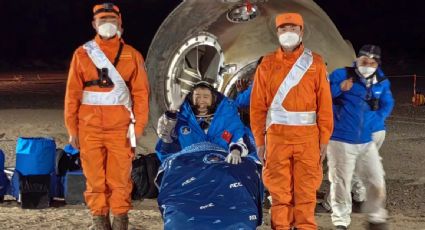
{"x": 104, "y": 79}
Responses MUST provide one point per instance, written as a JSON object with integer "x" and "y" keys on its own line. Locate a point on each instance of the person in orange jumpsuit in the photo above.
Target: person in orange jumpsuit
{"x": 291, "y": 111}
{"x": 106, "y": 110}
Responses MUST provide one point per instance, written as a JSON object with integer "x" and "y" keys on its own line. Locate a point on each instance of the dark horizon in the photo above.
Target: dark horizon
{"x": 42, "y": 35}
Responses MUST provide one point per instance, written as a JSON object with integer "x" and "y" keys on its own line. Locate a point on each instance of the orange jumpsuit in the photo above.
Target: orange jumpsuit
{"x": 292, "y": 171}
{"x": 105, "y": 150}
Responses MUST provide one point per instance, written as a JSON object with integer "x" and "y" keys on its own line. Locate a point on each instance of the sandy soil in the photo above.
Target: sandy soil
{"x": 145, "y": 216}
{"x": 42, "y": 115}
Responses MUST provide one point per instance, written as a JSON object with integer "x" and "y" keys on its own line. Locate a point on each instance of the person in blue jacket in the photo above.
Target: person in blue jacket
{"x": 378, "y": 136}
{"x": 203, "y": 115}
{"x": 243, "y": 98}
{"x": 378, "y": 130}
{"x": 362, "y": 101}
{"x": 244, "y": 89}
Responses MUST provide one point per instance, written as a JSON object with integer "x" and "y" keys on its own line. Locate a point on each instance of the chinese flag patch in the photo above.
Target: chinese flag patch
{"x": 226, "y": 136}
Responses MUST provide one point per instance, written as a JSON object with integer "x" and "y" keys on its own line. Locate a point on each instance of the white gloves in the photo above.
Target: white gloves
{"x": 165, "y": 128}
{"x": 166, "y": 124}
{"x": 234, "y": 157}
{"x": 177, "y": 98}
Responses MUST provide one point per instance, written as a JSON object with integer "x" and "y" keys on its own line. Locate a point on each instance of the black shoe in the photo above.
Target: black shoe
{"x": 380, "y": 226}
{"x": 320, "y": 208}
{"x": 340, "y": 227}
{"x": 357, "y": 206}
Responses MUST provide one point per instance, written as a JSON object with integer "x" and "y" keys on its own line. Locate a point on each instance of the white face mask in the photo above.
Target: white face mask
{"x": 289, "y": 40}
{"x": 366, "y": 71}
{"x": 107, "y": 30}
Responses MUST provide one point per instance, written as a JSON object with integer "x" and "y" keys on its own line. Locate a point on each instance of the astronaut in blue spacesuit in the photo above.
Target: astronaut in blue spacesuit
{"x": 203, "y": 115}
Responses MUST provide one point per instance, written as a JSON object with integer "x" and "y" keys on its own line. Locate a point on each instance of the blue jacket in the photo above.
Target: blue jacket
{"x": 243, "y": 99}
{"x": 354, "y": 119}
{"x": 386, "y": 102}
{"x": 225, "y": 128}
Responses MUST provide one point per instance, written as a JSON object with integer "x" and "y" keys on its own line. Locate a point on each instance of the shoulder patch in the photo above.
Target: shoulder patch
{"x": 126, "y": 55}
{"x": 185, "y": 130}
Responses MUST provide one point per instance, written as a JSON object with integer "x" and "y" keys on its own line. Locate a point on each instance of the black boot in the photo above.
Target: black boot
{"x": 100, "y": 223}
{"x": 379, "y": 226}
{"x": 120, "y": 222}
{"x": 357, "y": 206}
{"x": 323, "y": 207}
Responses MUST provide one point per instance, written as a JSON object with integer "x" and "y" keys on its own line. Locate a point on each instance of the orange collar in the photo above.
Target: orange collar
{"x": 282, "y": 55}
{"x": 115, "y": 41}
{"x": 110, "y": 47}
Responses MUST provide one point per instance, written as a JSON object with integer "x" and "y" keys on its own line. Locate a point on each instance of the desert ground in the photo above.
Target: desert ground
{"x": 403, "y": 154}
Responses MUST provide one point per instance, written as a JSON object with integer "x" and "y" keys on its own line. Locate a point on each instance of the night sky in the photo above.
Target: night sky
{"x": 40, "y": 35}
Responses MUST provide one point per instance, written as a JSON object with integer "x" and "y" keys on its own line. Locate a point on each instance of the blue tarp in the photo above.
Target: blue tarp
{"x": 4, "y": 181}
{"x": 199, "y": 190}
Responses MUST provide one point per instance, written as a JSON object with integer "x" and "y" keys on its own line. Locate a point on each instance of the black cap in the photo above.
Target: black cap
{"x": 371, "y": 51}
{"x": 106, "y": 8}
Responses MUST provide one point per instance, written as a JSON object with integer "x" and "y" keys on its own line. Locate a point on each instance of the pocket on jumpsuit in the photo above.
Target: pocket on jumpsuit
{"x": 318, "y": 171}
